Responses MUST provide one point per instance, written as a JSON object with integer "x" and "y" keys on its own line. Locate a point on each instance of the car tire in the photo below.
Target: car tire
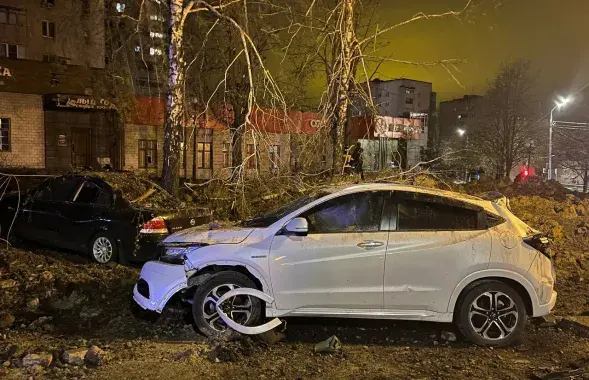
{"x": 492, "y": 313}
{"x": 203, "y": 309}
{"x": 103, "y": 248}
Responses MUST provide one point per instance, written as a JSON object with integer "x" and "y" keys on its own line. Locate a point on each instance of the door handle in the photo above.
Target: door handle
{"x": 369, "y": 244}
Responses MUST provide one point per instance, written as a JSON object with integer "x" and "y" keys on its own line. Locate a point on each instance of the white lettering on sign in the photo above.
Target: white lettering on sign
{"x": 315, "y": 123}
{"x": 86, "y": 103}
{"x": 5, "y": 72}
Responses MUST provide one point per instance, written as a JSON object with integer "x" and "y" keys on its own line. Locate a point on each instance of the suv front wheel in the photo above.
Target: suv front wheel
{"x": 492, "y": 314}
{"x": 245, "y": 310}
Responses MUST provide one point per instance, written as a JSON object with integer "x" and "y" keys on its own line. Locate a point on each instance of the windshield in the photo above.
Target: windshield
{"x": 265, "y": 220}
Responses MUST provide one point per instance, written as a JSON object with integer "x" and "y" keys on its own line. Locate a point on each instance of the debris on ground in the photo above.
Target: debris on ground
{"x": 6, "y": 320}
{"x": 328, "y": 346}
{"x": 43, "y": 359}
{"x": 75, "y": 356}
{"x": 448, "y": 336}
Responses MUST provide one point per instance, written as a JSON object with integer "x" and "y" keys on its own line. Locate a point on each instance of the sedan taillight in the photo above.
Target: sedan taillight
{"x": 156, "y": 225}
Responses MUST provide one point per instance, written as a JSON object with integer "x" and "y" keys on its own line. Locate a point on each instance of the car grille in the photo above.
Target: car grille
{"x": 143, "y": 288}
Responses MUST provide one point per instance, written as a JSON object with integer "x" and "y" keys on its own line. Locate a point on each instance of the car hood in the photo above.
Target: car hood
{"x": 234, "y": 235}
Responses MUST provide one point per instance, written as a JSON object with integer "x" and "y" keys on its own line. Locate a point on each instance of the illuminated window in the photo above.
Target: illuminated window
{"x": 156, "y": 18}
{"x": 205, "y": 156}
{"x": 155, "y": 51}
{"x": 120, "y": 7}
{"x": 137, "y": 49}
{"x": 156, "y": 35}
{"x": 147, "y": 154}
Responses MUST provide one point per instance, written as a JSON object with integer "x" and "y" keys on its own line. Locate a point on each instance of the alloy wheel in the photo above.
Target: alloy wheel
{"x": 493, "y": 315}
{"x": 102, "y": 250}
{"x": 238, "y": 308}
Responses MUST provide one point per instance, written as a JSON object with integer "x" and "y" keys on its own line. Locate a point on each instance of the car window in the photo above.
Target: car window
{"x": 419, "y": 215}
{"x": 358, "y": 212}
{"x": 92, "y": 193}
{"x": 58, "y": 189}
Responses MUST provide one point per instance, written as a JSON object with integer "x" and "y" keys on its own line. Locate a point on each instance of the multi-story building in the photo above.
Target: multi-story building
{"x": 407, "y": 98}
{"x": 61, "y": 31}
{"x": 456, "y": 116}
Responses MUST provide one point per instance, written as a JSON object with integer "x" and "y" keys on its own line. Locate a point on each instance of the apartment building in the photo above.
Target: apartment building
{"x": 62, "y": 31}
{"x": 406, "y": 98}
{"x": 456, "y": 116}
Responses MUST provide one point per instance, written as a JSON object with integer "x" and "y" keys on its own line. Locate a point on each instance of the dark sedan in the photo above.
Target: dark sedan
{"x": 85, "y": 213}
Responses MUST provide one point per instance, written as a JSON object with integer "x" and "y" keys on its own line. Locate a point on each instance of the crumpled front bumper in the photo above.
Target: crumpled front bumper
{"x": 163, "y": 281}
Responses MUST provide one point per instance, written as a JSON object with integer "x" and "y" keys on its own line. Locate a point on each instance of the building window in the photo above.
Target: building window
{"x": 155, "y": 51}
{"x": 205, "y": 157}
{"x": 11, "y": 16}
{"x": 156, "y": 18}
{"x": 408, "y": 100}
{"x": 226, "y": 155}
{"x": 251, "y": 156}
{"x": 12, "y": 51}
{"x": 147, "y": 154}
{"x": 409, "y": 90}
{"x": 137, "y": 49}
{"x": 120, "y": 7}
{"x": 4, "y": 135}
{"x": 48, "y": 29}
{"x": 274, "y": 155}
{"x": 156, "y": 35}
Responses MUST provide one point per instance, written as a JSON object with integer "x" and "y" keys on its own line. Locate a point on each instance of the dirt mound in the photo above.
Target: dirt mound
{"x": 536, "y": 186}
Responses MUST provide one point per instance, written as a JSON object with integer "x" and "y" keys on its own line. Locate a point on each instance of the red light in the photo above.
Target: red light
{"x": 155, "y": 226}
{"x": 526, "y": 173}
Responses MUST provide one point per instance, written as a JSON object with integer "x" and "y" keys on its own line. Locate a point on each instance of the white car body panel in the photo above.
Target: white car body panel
{"x": 327, "y": 271}
{"x": 415, "y": 275}
{"x": 423, "y": 267}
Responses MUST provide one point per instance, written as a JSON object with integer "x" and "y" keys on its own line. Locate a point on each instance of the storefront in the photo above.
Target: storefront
{"x": 81, "y": 131}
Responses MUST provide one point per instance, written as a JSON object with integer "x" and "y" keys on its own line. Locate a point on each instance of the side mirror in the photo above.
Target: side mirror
{"x": 297, "y": 227}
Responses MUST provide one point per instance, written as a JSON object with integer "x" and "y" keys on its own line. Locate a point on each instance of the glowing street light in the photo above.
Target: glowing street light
{"x": 561, "y": 102}
{"x": 460, "y": 132}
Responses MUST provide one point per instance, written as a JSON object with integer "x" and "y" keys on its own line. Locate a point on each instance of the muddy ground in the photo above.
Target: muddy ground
{"x": 53, "y": 302}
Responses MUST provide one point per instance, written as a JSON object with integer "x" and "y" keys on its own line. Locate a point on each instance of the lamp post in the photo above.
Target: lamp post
{"x": 530, "y": 145}
{"x": 561, "y": 102}
{"x": 461, "y": 132}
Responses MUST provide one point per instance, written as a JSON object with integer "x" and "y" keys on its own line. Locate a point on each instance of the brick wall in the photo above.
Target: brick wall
{"x": 27, "y": 137}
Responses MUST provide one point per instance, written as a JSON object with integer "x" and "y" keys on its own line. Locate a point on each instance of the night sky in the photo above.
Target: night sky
{"x": 553, "y": 34}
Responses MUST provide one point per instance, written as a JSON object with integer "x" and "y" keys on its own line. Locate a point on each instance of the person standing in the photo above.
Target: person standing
{"x": 358, "y": 160}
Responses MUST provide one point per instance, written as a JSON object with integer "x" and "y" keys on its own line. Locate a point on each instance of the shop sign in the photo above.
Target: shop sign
{"x": 83, "y": 102}
{"x": 5, "y": 72}
{"x": 397, "y": 128}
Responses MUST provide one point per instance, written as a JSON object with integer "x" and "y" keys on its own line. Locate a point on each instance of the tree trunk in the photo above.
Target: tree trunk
{"x": 344, "y": 78}
{"x": 236, "y": 131}
{"x": 194, "y": 152}
{"x": 175, "y": 101}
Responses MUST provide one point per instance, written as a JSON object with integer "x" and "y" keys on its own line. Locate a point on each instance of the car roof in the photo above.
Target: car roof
{"x": 487, "y": 205}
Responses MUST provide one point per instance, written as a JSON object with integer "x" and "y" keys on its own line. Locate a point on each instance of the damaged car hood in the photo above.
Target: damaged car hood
{"x": 234, "y": 235}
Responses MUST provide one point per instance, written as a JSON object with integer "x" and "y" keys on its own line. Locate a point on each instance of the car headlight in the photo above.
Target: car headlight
{"x": 175, "y": 254}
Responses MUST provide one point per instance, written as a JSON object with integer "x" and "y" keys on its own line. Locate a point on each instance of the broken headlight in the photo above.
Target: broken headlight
{"x": 176, "y": 254}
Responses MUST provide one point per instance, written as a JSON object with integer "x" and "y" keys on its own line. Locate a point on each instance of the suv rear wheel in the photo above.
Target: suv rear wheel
{"x": 492, "y": 314}
{"x": 245, "y": 310}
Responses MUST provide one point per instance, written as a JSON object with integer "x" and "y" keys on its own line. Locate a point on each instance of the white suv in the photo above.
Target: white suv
{"x": 381, "y": 251}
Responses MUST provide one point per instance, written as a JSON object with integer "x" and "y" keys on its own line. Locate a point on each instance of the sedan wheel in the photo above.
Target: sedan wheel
{"x": 103, "y": 248}
{"x": 491, "y": 314}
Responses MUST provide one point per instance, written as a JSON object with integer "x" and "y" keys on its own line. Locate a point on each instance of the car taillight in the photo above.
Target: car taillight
{"x": 156, "y": 225}
{"x": 540, "y": 243}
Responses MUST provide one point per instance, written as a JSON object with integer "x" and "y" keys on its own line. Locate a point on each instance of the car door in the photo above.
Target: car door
{"x": 42, "y": 213}
{"x": 338, "y": 267}
{"x": 84, "y": 212}
{"x": 435, "y": 242}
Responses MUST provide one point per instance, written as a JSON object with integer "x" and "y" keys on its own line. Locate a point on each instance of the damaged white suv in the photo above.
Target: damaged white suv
{"x": 381, "y": 251}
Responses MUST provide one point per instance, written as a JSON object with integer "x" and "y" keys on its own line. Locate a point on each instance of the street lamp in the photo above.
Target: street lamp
{"x": 561, "y": 102}
{"x": 460, "y": 132}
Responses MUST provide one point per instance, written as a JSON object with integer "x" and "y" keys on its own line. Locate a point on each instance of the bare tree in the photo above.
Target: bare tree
{"x": 573, "y": 152}
{"x": 506, "y": 119}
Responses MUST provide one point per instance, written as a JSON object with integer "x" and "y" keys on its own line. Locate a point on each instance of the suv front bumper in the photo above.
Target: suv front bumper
{"x": 158, "y": 282}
